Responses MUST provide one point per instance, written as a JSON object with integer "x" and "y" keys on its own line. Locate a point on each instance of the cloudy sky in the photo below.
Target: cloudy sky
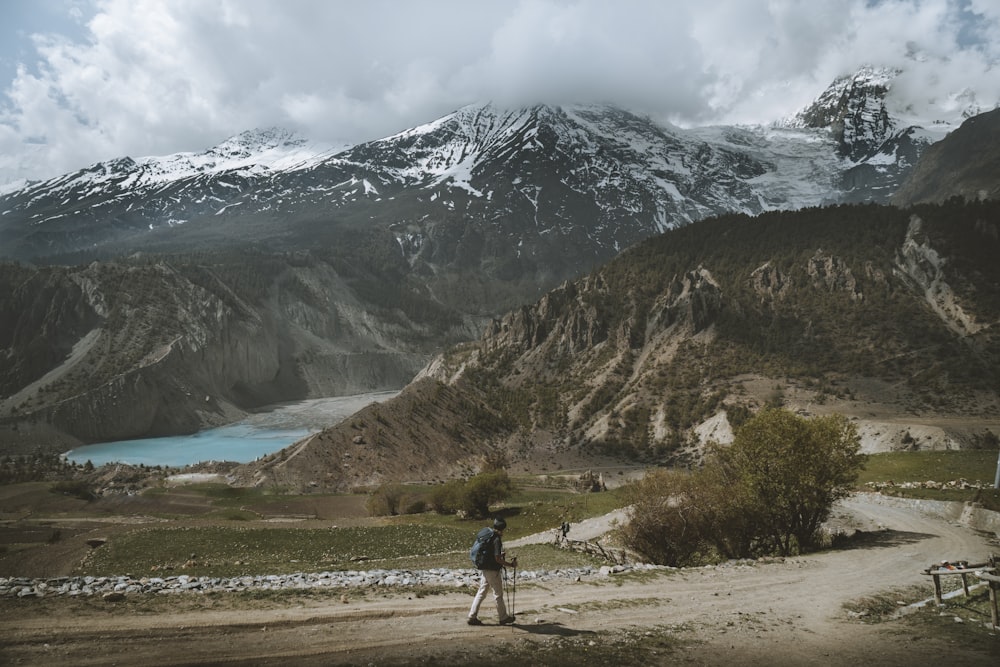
{"x": 87, "y": 80}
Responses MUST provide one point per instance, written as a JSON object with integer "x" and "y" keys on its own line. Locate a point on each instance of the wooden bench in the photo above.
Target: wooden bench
{"x": 938, "y": 571}
{"x": 987, "y": 572}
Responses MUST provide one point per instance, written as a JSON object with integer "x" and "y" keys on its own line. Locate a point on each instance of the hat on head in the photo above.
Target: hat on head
{"x": 499, "y": 523}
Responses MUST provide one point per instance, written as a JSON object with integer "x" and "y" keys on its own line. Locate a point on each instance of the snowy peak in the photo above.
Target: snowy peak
{"x": 536, "y": 176}
{"x": 273, "y": 148}
{"x": 879, "y": 135}
{"x": 252, "y": 152}
{"x": 250, "y": 142}
{"x": 625, "y": 164}
{"x": 450, "y": 148}
{"x": 830, "y": 107}
{"x": 867, "y": 108}
{"x": 854, "y": 109}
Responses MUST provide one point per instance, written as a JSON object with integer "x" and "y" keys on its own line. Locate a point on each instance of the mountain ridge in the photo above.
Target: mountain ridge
{"x": 675, "y": 175}
{"x": 679, "y": 338}
{"x": 393, "y": 248}
{"x": 964, "y": 166}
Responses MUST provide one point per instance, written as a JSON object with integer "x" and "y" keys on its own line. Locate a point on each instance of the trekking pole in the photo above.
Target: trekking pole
{"x": 514, "y": 601}
{"x": 506, "y": 589}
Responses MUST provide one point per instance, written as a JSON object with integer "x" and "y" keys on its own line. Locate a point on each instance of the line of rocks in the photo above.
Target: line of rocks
{"x": 117, "y": 587}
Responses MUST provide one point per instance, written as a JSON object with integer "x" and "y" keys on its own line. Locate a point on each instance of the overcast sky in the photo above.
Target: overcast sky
{"x": 87, "y": 80}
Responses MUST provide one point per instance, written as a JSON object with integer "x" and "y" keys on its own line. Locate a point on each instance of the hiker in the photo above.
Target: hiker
{"x": 489, "y": 572}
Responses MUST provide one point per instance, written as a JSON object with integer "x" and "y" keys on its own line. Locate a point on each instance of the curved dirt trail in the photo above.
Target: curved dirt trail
{"x": 776, "y": 613}
{"x": 588, "y": 529}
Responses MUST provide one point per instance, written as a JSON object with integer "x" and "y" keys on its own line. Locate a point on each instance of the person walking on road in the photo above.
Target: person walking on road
{"x": 489, "y": 571}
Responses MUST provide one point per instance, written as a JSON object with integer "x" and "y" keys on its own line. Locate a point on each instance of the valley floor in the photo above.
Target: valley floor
{"x": 781, "y": 612}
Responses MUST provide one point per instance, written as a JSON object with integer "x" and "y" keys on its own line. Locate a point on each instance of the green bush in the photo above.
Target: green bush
{"x": 791, "y": 470}
{"x": 483, "y": 490}
{"x": 768, "y": 493}
{"x": 446, "y": 499}
{"x": 385, "y": 500}
{"x": 76, "y": 488}
{"x": 658, "y": 529}
{"x": 474, "y": 496}
{"x": 418, "y": 506}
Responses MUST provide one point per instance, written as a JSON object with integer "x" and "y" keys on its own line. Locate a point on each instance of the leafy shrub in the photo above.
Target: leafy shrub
{"x": 483, "y": 490}
{"x": 385, "y": 500}
{"x": 418, "y": 506}
{"x": 474, "y": 496}
{"x": 793, "y": 469}
{"x": 767, "y": 493}
{"x": 661, "y": 529}
{"x": 76, "y": 488}
{"x": 446, "y": 499}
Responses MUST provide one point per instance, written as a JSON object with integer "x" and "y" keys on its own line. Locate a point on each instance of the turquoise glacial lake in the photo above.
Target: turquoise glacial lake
{"x": 259, "y": 434}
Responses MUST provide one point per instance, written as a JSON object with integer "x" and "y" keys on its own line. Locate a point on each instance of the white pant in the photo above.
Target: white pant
{"x": 489, "y": 579}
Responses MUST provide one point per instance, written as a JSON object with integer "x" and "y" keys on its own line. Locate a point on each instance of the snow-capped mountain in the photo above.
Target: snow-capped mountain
{"x": 253, "y": 152}
{"x": 165, "y": 190}
{"x": 570, "y": 184}
{"x": 878, "y": 142}
{"x": 854, "y": 109}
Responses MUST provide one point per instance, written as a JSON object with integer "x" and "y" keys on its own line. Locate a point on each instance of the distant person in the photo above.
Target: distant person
{"x": 490, "y": 541}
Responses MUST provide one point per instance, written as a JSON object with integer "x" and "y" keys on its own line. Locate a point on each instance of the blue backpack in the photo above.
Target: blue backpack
{"x": 482, "y": 552}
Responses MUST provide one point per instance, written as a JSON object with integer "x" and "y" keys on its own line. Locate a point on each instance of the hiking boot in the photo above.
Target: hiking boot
{"x": 474, "y": 621}
{"x": 507, "y": 621}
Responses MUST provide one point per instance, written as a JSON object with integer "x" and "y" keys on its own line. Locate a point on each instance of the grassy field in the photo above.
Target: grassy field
{"x": 427, "y": 540}
{"x": 213, "y": 529}
{"x": 225, "y": 551}
{"x": 530, "y": 509}
{"x": 941, "y": 467}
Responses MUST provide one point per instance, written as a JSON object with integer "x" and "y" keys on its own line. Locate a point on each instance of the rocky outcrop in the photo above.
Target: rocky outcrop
{"x": 692, "y": 299}
{"x": 677, "y": 341}
{"x": 430, "y": 431}
{"x": 770, "y": 282}
{"x": 568, "y": 316}
{"x": 833, "y": 274}
{"x": 922, "y": 264}
{"x": 878, "y": 153}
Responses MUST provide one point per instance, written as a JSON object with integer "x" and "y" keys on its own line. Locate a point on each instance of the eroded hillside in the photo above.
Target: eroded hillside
{"x": 164, "y": 345}
{"x": 677, "y": 340}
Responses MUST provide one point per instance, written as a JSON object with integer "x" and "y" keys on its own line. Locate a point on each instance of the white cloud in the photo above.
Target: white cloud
{"x": 160, "y": 76}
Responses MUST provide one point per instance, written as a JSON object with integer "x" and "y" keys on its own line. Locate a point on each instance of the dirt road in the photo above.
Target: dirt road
{"x": 776, "y": 613}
